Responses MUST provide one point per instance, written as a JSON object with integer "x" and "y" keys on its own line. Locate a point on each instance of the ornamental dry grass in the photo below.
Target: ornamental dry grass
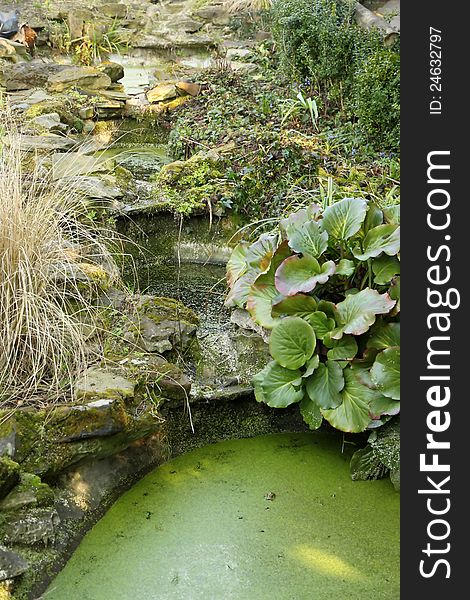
{"x": 46, "y": 241}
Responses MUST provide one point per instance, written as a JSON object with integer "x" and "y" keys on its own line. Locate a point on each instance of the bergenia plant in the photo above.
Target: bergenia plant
{"x": 326, "y": 285}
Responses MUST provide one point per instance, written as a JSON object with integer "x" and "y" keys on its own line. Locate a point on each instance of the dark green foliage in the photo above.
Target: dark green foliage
{"x": 322, "y": 48}
{"x": 319, "y": 42}
{"x": 377, "y": 98}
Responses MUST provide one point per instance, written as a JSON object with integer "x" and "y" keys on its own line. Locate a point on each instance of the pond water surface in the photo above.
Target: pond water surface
{"x": 269, "y": 518}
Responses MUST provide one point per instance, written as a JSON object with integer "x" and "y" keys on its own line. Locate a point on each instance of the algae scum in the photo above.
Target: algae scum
{"x": 269, "y": 518}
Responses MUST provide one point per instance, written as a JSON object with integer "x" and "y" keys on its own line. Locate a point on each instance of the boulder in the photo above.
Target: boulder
{"x": 100, "y": 384}
{"x": 115, "y": 10}
{"x": 50, "y": 441}
{"x": 47, "y": 142}
{"x": 237, "y": 53}
{"x": 162, "y": 91}
{"x": 49, "y": 121}
{"x": 216, "y": 14}
{"x": 36, "y": 527}
{"x": 113, "y": 70}
{"x": 187, "y": 87}
{"x": 78, "y": 77}
{"x": 11, "y": 564}
{"x": 78, "y": 163}
{"x": 152, "y": 374}
{"x": 25, "y": 76}
{"x": 99, "y": 188}
{"x": 30, "y": 491}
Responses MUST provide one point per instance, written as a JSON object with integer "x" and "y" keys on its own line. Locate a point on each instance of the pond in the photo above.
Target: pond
{"x": 271, "y": 517}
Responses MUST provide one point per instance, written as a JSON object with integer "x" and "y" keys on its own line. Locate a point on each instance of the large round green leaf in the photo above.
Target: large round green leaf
{"x": 385, "y": 268}
{"x": 352, "y": 415}
{"x": 262, "y": 292}
{"x": 357, "y": 312}
{"x": 301, "y": 274}
{"x": 384, "y": 238}
{"x": 311, "y": 413}
{"x": 343, "y": 349}
{"x": 291, "y": 223}
{"x": 385, "y": 373}
{"x": 281, "y": 387}
{"x": 299, "y": 305}
{"x": 258, "y": 381}
{"x": 344, "y": 218}
{"x": 259, "y": 302}
{"x": 321, "y": 323}
{"x": 384, "y": 335}
{"x": 325, "y": 385}
{"x": 309, "y": 239}
{"x": 260, "y": 253}
{"x": 292, "y": 342}
{"x": 238, "y": 295}
{"x": 345, "y": 267}
{"x": 236, "y": 264}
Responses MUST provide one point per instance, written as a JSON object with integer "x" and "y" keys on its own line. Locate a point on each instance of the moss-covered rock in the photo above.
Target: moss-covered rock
{"x": 30, "y": 492}
{"x": 49, "y": 441}
{"x": 150, "y": 324}
{"x": 190, "y": 186}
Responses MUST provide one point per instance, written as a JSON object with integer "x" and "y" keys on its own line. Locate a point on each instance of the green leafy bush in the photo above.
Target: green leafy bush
{"x": 326, "y": 285}
{"x": 319, "y": 41}
{"x": 377, "y": 98}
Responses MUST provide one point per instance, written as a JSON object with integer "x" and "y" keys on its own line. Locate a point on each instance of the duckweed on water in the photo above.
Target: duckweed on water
{"x": 270, "y": 517}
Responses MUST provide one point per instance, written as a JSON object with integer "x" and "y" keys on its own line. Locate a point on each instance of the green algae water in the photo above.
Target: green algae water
{"x": 269, "y": 518}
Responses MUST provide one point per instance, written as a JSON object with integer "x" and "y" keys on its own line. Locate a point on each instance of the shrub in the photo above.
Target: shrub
{"x": 377, "y": 98}
{"x": 325, "y": 285}
{"x": 319, "y": 42}
{"x": 51, "y": 266}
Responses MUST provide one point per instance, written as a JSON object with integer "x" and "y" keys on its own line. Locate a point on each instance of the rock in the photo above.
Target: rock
{"x": 97, "y": 383}
{"x": 11, "y": 564}
{"x": 24, "y": 76}
{"x": 113, "y": 70}
{"x": 8, "y": 444}
{"x": 9, "y": 475}
{"x": 47, "y": 142}
{"x": 50, "y": 441}
{"x": 262, "y": 36}
{"x": 237, "y": 53}
{"x": 109, "y": 109}
{"x": 244, "y": 67}
{"x": 7, "y": 49}
{"x": 37, "y": 527}
{"x": 154, "y": 374}
{"x": 75, "y": 24}
{"x": 187, "y": 87}
{"x": 49, "y": 121}
{"x": 31, "y": 491}
{"x": 115, "y": 10}
{"x": 151, "y": 324}
{"x": 94, "y": 187}
{"x": 161, "y": 92}
{"x": 78, "y": 163}
{"x": 86, "y": 113}
{"x": 79, "y": 77}
{"x": 214, "y": 13}
{"x": 185, "y": 24}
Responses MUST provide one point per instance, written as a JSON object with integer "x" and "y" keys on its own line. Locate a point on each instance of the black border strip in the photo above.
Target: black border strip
{"x": 435, "y": 232}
